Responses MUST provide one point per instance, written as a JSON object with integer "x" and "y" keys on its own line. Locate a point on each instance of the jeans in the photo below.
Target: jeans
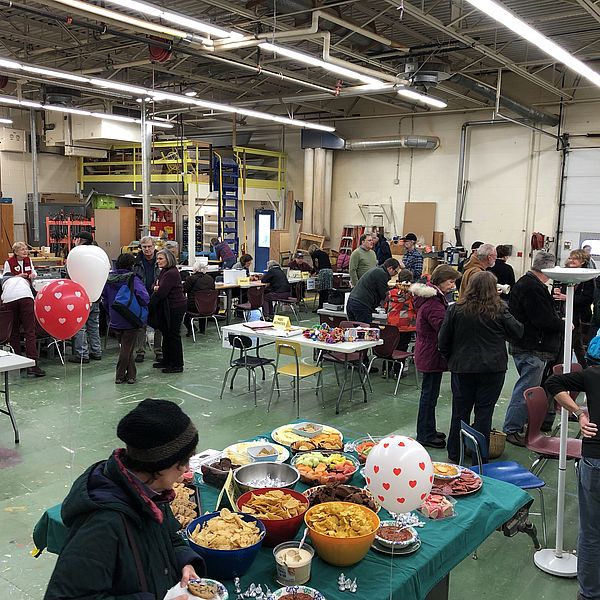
{"x": 357, "y": 311}
{"x": 588, "y": 542}
{"x": 476, "y": 392}
{"x": 140, "y": 343}
{"x": 171, "y": 341}
{"x": 126, "y": 368}
{"x": 531, "y": 369}
{"x": 91, "y": 329}
{"x": 430, "y": 390}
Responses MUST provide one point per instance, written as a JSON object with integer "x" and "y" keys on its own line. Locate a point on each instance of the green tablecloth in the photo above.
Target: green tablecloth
{"x": 445, "y": 543}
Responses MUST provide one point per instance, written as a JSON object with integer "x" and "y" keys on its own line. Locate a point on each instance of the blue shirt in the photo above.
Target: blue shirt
{"x": 413, "y": 261}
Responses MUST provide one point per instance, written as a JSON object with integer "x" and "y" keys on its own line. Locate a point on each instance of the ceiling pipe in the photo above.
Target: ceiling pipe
{"x": 414, "y": 142}
{"x": 490, "y": 94}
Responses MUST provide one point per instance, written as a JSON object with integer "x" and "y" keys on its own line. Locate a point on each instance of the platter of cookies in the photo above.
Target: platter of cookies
{"x": 185, "y": 504}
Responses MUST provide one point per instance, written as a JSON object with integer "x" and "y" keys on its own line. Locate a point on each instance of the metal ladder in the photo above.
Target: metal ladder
{"x": 225, "y": 175}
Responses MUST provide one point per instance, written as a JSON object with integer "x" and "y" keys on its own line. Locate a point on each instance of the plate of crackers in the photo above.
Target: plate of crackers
{"x": 468, "y": 482}
{"x": 286, "y": 435}
{"x": 447, "y": 471}
{"x": 208, "y": 589}
{"x": 238, "y": 453}
{"x": 184, "y": 506}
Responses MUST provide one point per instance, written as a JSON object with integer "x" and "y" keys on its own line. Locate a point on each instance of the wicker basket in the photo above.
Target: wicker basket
{"x": 497, "y": 443}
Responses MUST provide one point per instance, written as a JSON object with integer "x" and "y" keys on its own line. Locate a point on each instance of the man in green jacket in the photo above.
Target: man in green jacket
{"x": 123, "y": 542}
{"x": 363, "y": 258}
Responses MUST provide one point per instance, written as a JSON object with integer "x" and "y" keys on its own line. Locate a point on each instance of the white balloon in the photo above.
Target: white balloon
{"x": 399, "y": 473}
{"x": 89, "y": 265}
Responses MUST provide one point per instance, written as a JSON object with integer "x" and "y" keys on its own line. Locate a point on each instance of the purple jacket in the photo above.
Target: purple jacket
{"x": 431, "y": 307}
{"x": 114, "y": 282}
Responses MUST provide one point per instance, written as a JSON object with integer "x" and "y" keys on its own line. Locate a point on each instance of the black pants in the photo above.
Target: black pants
{"x": 357, "y": 311}
{"x": 430, "y": 390}
{"x": 126, "y": 368}
{"x": 476, "y": 392}
{"x": 171, "y": 343}
{"x": 323, "y": 297}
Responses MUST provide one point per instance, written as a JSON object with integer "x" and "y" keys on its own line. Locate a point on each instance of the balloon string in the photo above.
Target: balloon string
{"x": 55, "y": 343}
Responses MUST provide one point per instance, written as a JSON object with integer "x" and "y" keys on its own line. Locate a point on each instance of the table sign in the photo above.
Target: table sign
{"x": 243, "y": 281}
{"x": 281, "y": 322}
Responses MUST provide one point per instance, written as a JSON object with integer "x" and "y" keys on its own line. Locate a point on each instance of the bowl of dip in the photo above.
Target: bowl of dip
{"x": 391, "y": 535}
{"x": 293, "y": 563}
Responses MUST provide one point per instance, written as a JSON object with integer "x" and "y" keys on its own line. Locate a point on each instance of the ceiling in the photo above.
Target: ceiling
{"x": 446, "y": 40}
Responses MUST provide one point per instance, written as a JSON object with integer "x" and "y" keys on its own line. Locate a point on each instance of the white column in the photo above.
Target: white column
{"x": 327, "y": 193}
{"x": 307, "y": 202}
{"x": 319, "y": 191}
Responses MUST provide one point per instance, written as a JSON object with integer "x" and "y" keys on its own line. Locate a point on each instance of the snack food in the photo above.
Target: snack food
{"x": 437, "y": 507}
{"x": 216, "y": 473}
{"x": 183, "y": 507}
{"x": 443, "y": 470}
{"x": 316, "y": 467}
{"x": 339, "y": 520}
{"x": 467, "y": 483}
{"x": 335, "y": 492}
{"x": 274, "y": 505}
{"x": 293, "y": 563}
{"x": 228, "y": 531}
{"x": 296, "y": 596}
{"x": 396, "y": 533}
{"x": 286, "y": 435}
{"x": 203, "y": 590}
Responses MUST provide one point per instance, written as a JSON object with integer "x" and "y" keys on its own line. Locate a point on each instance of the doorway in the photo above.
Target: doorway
{"x": 264, "y": 221}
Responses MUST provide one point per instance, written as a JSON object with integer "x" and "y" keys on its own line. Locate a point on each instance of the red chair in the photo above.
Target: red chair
{"x": 545, "y": 446}
{"x": 207, "y": 307}
{"x": 256, "y": 296}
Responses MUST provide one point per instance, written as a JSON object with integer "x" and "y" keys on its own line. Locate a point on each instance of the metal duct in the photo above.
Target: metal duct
{"x": 490, "y": 93}
{"x": 417, "y": 142}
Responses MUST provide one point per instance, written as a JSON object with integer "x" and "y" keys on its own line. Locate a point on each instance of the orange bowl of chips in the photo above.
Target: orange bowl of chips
{"x": 341, "y": 532}
{"x": 227, "y": 541}
{"x": 280, "y": 511}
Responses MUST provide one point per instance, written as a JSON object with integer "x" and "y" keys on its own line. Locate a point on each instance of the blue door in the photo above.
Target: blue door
{"x": 264, "y": 221}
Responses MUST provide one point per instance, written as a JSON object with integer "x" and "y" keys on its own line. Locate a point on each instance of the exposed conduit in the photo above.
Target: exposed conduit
{"x": 417, "y": 142}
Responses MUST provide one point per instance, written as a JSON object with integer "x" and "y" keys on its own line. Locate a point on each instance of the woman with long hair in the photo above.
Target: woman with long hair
{"x": 473, "y": 340}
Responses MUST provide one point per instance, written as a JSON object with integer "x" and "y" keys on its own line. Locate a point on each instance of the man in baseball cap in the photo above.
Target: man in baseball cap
{"x": 413, "y": 259}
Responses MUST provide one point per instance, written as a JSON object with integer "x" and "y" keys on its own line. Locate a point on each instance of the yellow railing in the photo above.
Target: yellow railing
{"x": 270, "y": 173}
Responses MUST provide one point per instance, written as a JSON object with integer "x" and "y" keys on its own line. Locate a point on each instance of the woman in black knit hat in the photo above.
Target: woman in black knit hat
{"x": 123, "y": 539}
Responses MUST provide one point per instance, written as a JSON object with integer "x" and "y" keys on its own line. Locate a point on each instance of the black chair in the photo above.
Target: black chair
{"x": 243, "y": 343}
{"x": 256, "y": 296}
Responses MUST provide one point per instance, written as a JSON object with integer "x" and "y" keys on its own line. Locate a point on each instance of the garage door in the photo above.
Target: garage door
{"x": 580, "y": 218}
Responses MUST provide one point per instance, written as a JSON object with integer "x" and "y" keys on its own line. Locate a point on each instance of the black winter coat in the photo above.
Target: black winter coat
{"x": 97, "y": 561}
{"x": 476, "y": 345}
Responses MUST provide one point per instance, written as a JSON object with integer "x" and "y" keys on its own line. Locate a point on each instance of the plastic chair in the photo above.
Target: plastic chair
{"x": 250, "y": 363}
{"x": 296, "y": 370}
{"x": 207, "y": 306}
{"x": 256, "y": 295}
{"x": 6, "y": 322}
{"x": 545, "y": 446}
{"x": 291, "y": 303}
{"x": 508, "y": 471}
{"x": 390, "y": 335}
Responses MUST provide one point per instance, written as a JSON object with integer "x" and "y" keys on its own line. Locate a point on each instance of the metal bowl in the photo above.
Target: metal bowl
{"x": 287, "y": 474}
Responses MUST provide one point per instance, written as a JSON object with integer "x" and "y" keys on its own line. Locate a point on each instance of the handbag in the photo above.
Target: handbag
{"x": 497, "y": 443}
{"x": 128, "y": 306}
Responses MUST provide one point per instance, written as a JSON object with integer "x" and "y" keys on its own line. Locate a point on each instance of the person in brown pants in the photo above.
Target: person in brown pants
{"x": 125, "y": 331}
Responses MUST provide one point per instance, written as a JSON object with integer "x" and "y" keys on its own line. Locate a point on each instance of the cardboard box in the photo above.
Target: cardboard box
{"x": 438, "y": 239}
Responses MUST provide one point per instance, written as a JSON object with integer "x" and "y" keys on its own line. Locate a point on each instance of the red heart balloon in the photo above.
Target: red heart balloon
{"x": 376, "y": 469}
{"x": 423, "y": 496}
{"x": 412, "y": 483}
{"x": 401, "y": 500}
{"x": 397, "y": 472}
{"x": 386, "y": 486}
{"x": 386, "y": 445}
{"x": 401, "y": 444}
{"x": 431, "y": 479}
{"x": 422, "y": 466}
{"x": 368, "y": 480}
{"x": 62, "y": 308}
{"x": 381, "y": 498}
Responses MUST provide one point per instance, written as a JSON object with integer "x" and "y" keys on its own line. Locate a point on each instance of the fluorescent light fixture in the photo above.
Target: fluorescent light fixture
{"x": 317, "y": 62}
{"x": 9, "y": 64}
{"x": 191, "y": 93}
{"x": 67, "y": 109}
{"x": 424, "y": 98}
{"x": 108, "y": 84}
{"x": 5, "y": 121}
{"x": 500, "y": 14}
{"x": 141, "y": 7}
{"x": 55, "y": 74}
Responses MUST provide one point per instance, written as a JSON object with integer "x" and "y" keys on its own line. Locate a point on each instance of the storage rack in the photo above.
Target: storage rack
{"x": 60, "y": 233}
{"x": 199, "y": 246}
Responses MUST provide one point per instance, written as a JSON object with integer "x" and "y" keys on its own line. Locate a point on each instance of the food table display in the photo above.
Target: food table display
{"x": 405, "y": 564}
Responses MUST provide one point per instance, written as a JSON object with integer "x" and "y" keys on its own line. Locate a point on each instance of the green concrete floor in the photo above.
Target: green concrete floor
{"x": 61, "y": 434}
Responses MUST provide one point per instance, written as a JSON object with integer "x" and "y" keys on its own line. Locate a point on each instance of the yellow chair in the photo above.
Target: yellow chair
{"x": 296, "y": 370}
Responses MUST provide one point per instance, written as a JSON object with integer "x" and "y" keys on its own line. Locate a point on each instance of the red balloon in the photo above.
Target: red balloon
{"x": 62, "y": 308}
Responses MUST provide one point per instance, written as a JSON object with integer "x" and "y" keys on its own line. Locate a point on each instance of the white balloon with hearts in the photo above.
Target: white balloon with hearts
{"x": 399, "y": 473}
{"x": 89, "y": 266}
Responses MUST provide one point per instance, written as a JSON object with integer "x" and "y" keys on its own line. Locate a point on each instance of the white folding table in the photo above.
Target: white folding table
{"x": 12, "y": 362}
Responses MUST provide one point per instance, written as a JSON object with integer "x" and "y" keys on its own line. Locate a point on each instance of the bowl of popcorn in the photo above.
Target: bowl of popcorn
{"x": 341, "y": 532}
{"x": 227, "y": 541}
{"x": 281, "y": 512}
{"x": 260, "y": 475}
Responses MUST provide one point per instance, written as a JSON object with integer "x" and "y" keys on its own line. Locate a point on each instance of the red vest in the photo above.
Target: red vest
{"x": 15, "y": 267}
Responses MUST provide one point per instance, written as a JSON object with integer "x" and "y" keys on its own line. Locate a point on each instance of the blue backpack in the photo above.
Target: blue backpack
{"x": 128, "y": 306}
{"x": 593, "y": 351}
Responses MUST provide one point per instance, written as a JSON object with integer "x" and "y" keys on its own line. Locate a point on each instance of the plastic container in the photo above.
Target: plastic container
{"x": 226, "y": 564}
{"x": 296, "y": 574}
{"x": 278, "y": 530}
{"x": 255, "y": 453}
{"x": 300, "y": 429}
{"x": 342, "y": 552}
